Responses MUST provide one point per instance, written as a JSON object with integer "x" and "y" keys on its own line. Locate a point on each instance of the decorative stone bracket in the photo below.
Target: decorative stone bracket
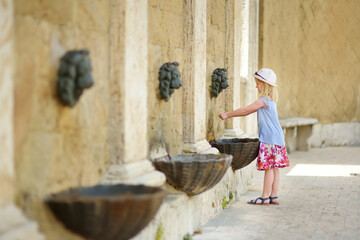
{"x": 218, "y": 81}
{"x": 169, "y": 79}
{"x": 74, "y": 76}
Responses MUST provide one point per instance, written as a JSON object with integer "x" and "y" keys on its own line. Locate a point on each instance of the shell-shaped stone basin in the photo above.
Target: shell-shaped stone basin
{"x": 243, "y": 150}
{"x": 193, "y": 173}
{"x": 107, "y": 212}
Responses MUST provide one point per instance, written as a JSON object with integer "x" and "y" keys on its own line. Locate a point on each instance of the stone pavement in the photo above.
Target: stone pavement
{"x": 319, "y": 199}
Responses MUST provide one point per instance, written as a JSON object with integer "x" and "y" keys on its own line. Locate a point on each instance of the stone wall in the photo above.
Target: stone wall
{"x": 13, "y": 223}
{"x": 120, "y": 122}
{"x": 215, "y": 58}
{"x": 180, "y": 214}
{"x": 166, "y": 43}
{"x": 7, "y": 103}
{"x": 335, "y": 134}
{"x": 313, "y": 46}
{"x": 58, "y": 147}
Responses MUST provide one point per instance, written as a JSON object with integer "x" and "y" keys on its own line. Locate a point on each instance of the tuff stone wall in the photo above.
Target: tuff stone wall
{"x": 215, "y": 58}
{"x": 314, "y": 48}
{"x": 7, "y": 103}
{"x": 57, "y": 147}
{"x": 13, "y": 223}
{"x": 166, "y": 43}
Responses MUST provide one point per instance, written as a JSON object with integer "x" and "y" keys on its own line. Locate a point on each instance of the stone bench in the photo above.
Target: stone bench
{"x": 297, "y": 132}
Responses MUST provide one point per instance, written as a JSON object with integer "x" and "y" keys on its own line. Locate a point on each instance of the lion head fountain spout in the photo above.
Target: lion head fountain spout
{"x": 74, "y": 76}
{"x": 218, "y": 81}
{"x": 169, "y": 79}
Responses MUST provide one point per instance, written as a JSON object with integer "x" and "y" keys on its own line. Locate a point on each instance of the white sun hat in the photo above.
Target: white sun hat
{"x": 266, "y": 75}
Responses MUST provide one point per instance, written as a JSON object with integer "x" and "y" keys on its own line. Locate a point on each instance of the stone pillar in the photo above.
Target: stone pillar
{"x": 194, "y": 78}
{"x": 13, "y": 223}
{"x": 249, "y": 59}
{"x": 233, "y": 62}
{"x": 128, "y": 102}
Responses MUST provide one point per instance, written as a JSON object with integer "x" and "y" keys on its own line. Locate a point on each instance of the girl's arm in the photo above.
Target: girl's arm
{"x": 244, "y": 111}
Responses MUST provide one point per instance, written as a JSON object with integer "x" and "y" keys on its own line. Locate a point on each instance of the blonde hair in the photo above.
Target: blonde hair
{"x": 268, "y": 91}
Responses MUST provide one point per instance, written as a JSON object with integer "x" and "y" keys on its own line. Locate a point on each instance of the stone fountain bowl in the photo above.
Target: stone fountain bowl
{"x": 243, "y": 150}
{"x": 193, "y": 173}
{"x": 107, "y": 212}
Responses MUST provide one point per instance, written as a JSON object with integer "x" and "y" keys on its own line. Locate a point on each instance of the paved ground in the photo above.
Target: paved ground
{"x": 319, "y": 199}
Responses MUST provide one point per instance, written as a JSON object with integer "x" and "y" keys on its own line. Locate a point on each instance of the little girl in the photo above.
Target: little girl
{"x": 272, "y": 152}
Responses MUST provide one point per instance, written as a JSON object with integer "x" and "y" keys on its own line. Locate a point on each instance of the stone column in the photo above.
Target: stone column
{"x": 253, "y": 62}
{"x": 128, "y": 102}
{"x": 233, "y": 63}
{"x": 249, "y": 56}
{"x": 13, "y": 224}
{"x": 194, "y": 78}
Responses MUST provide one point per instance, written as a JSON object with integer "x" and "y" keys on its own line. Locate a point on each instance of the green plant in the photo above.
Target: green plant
{"x": 160, "y": 232}
{"x": 187, "y": 237}
{"x": 226, "y": 202}
{"x": 231, "y": 196}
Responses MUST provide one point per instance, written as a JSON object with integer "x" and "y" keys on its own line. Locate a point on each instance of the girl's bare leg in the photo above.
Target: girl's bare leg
{"x": 268, "y": 183}
{"x": 275, "y": 185}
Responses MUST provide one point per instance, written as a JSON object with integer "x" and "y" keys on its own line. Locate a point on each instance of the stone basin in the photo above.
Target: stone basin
{"x": 107, "y": 212}
{"x": 193, "y": 173}
{"x": 243, "y": 150}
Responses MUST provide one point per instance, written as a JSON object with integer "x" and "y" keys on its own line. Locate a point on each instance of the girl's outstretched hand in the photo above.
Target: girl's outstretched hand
{"x": 223, "y": 116}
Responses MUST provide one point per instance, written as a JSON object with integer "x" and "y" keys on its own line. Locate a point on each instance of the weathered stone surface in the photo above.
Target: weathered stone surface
{"x": 165, "y": 118}
{"x": 13, "y": 225}
{"x": 180, "y": 214}
{"x": 121, "y": 116}
{"x": 157, "y": 34}
{"x": 294, "y": 122}
{"x": 154, "y": 3}
{"x": 202, "y": 146}
{"x": 174, "y": 28}
{"x": 232, "y": 61}
{"x": 50, "y": 139}
{"x": 7, "y": 103}
{"x": 290, "y": 135}
{"x": 175, "y": 6}
{"x": 166, "y": 28}
{"x": 139, "y": 172}
{"x": 16, "y": 227}
{"x": 297, "y": 132}
{"x": 217, "y": 14}
{"x": 91, "y": 15}
{"x": 56, "y": 11}
{"x": 323, "y": 84}
{"x": 249, "y": 53}
{"x": 135, "y": 77}
{"x": 233, "y": 133}
{"x": 336, "y": 134}
{"x": 216, "y": 44}
{"x": 194, "y": 82}
{"x": 345, "y": 134}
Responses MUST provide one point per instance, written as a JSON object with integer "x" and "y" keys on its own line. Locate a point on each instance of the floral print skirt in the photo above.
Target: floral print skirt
{"x": 272, "y": 156}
